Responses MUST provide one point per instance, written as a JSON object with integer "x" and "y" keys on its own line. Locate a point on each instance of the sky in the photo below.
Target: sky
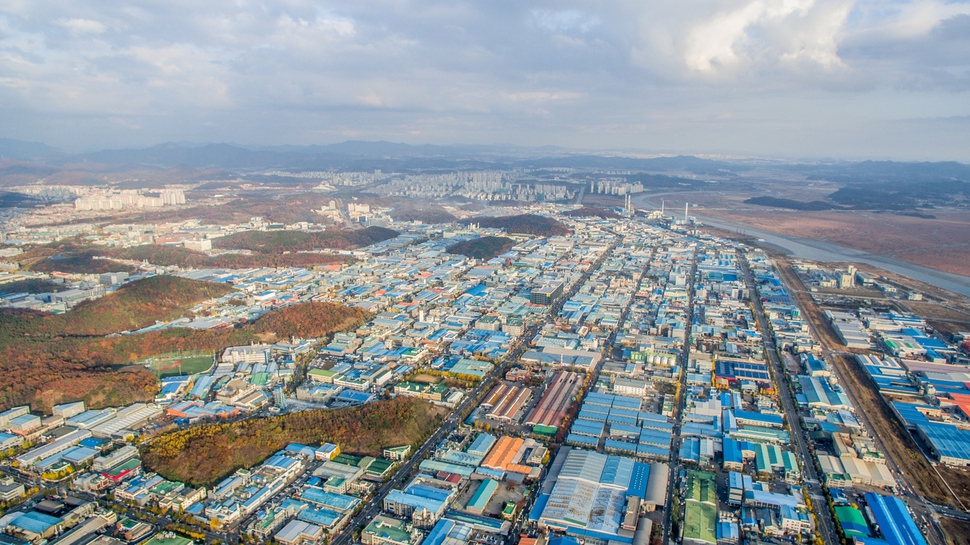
{"x": 855, "y": 79}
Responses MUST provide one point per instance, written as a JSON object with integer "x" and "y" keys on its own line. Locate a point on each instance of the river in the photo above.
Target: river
{"x": 820, "y": 250}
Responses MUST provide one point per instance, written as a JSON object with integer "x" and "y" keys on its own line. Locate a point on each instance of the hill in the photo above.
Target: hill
{"x": 132, "y": 306}
{"x": 269, "y": 205}
{"x": 525, "y": 224}
{"x": 85, "y": 262}
{"x": 309, "y": 320}
{"x": 202, "y": 455}
{"x": 274, "y": 242}
{"x": 44, "y": 370}
{"x": 181, "y": 257}
{"x": 425, "y": 214}
{"x": 789, "y": 203}
{"x": 590, "y": 212}
{"x": 483, "y": 248}
{"x": 31, "y": 285}
{"x": 26, "y": 151}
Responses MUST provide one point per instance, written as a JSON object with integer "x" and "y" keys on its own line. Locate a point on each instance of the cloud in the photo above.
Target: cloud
{"x": 534, "y": 71}
{"x": 82, "y": 26}
{"x": 564, "y": 21}
{"x": 739, "y": 39}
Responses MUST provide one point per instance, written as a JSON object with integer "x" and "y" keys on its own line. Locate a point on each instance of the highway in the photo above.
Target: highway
{"x": 823, "y": 516}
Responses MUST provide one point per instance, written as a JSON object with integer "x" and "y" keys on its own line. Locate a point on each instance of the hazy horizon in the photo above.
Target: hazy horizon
{"x": 786, "y": 79}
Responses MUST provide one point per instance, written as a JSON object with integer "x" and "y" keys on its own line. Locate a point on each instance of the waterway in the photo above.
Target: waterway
{"x": 820, "y": 250}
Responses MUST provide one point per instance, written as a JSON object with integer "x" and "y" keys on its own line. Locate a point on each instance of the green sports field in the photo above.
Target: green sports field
{"x": 170, "y": 365}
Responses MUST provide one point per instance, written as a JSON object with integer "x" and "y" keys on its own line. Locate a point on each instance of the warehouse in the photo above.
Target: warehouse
{"x": 950, "y": 444}
{"x": 297, "y": 532}
{"x": 700, "y": 513}
{"x": 507, "y": 454}
{"x": 586, "y": 493}
{"x": 749, "y": 418}
{"x": 818, "y": 393}
{"x": 405, "y": 503}
{"x": 656, "y": 494}
{"x": 482, "y": 444}
{"x": 127, "y": 419}
{"x": 505, "y": 401}
{"x": 67, "y": 441}
{"x": 9, "y": 441}
{"x": 733, "y": 371}
{"x": 853, "y": 525}
{"x": 894, "y": 520}
{"x": 23, "y": 424}
{"x": 551, "y": 409}
{"x": 481, "y": 497}
{"x": 588, "y": 428}
{"x": 10, "y": 414}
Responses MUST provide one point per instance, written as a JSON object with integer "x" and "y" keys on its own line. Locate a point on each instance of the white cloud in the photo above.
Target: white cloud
{"x": 82, "y": 26}
{"x": 309, "y": 34}
{"x": 564, "y": 21}
{"x": 767, "y": 30}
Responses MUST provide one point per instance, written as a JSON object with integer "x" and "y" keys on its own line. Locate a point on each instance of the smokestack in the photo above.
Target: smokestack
{"x": 662, "y": 204}
{"x": 686, "y": 210}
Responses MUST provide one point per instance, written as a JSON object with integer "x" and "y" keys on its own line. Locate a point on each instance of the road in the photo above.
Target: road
{"x": 823, "y": 516}
{"x": 678, "y": 406}
{"x": 373, "y": 506}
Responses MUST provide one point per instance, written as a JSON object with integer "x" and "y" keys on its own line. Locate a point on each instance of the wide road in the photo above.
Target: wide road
{"x": 678, "y": 406}
{"x": 373, "y": 506}
{"x": 826, "y": 525}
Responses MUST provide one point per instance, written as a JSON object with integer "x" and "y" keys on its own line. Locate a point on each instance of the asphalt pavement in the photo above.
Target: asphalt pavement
{"x": 823, "y": 516}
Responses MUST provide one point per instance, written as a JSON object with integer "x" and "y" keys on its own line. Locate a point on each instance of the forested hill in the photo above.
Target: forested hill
{"x": 483, "y": 248}
{"x": 133, "y": 306}
{"x": 202, "y": 455}
{"x": 46, "y": 370}
{"x": 525, "y": 224}
{"x": 298, "y": 241}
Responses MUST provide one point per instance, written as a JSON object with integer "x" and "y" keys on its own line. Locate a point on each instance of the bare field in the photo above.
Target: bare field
{"x": 946, "y": 319}
{"x": 425, "y": 378}
{"x": 957, "y": 532}
{"x": 939, "y": 243}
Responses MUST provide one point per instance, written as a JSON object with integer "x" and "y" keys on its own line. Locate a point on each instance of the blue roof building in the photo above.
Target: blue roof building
{"x": 894, "y": 519}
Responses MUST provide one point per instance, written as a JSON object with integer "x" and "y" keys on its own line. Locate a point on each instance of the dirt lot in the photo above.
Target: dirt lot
{"x": 957, "y": 532}
{"x": 948, "y": 319}
{"x": 503, "y": 494}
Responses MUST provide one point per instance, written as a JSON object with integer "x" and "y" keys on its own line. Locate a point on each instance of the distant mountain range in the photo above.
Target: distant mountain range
{"x": 390, "y": 156}
{"x": 27, "y": 151}
{"x": 359, "y": 155}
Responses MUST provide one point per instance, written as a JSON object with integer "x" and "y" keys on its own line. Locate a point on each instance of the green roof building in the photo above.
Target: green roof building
{"x": 385, "y": 531}
{"x": 700, "y": 515}
{"x": 852, "y": 522}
